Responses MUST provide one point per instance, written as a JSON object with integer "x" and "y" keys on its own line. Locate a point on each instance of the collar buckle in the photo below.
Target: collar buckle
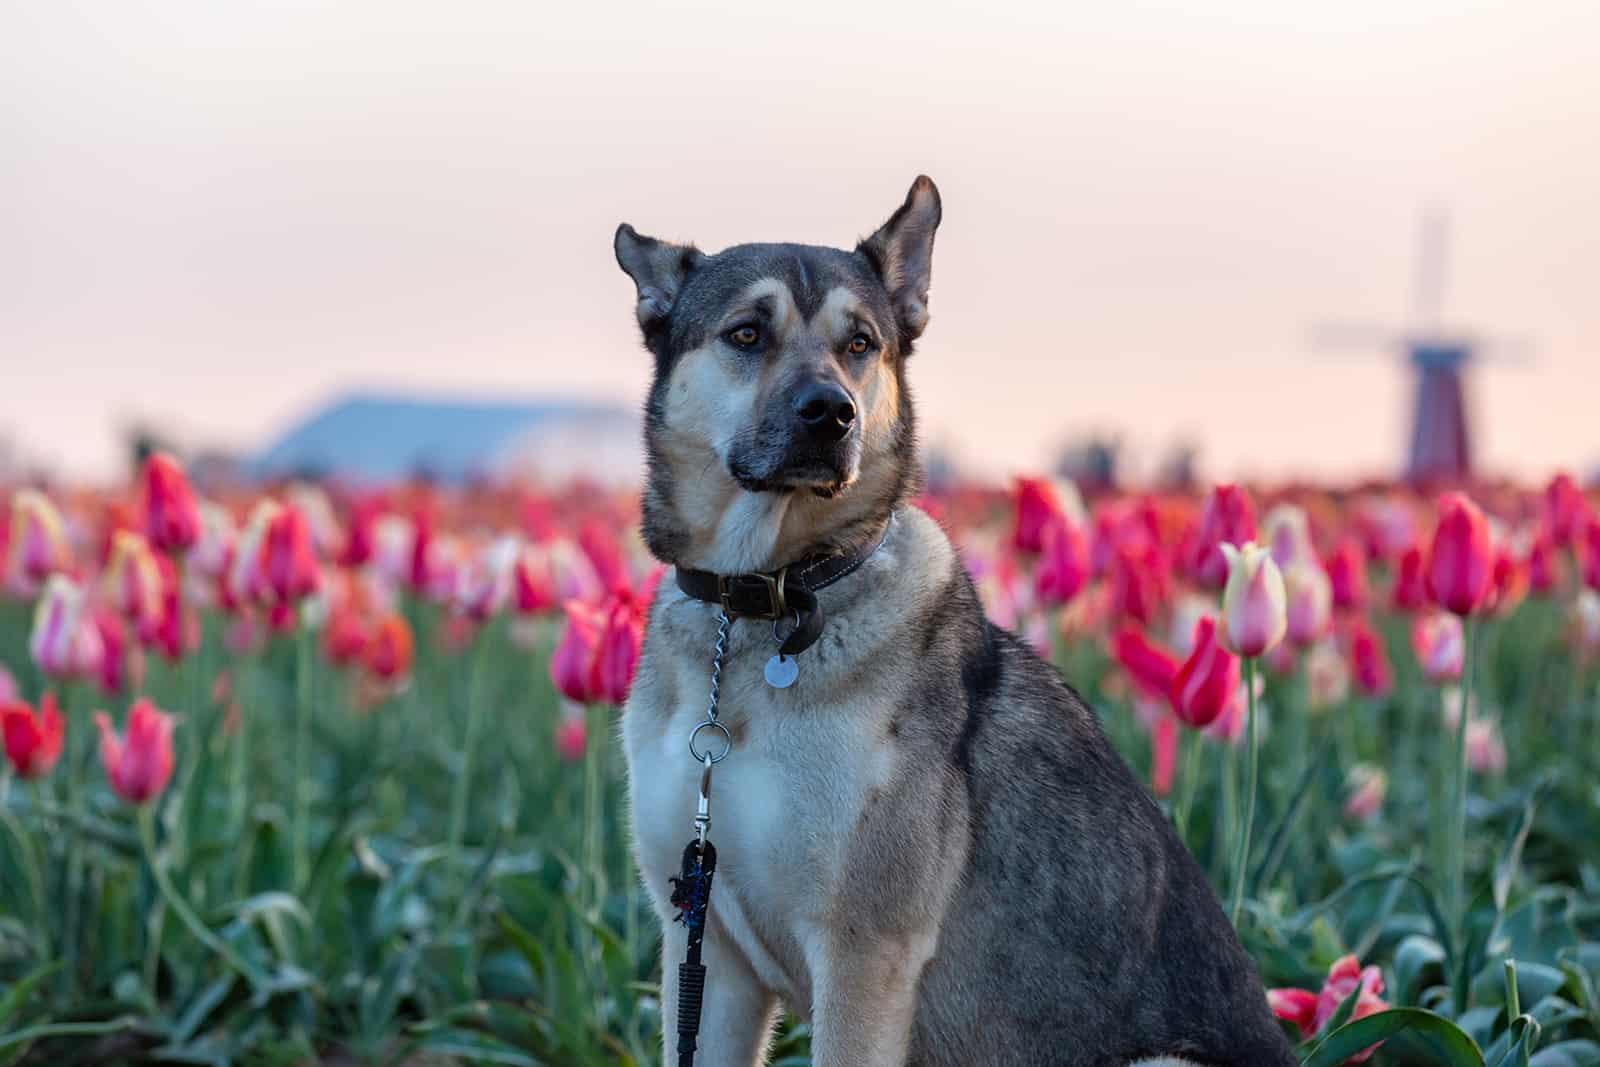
{"x": 741, "y": 594}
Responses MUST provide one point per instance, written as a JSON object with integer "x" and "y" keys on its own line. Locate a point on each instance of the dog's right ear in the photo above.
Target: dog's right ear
{"x": 657, "y": 269}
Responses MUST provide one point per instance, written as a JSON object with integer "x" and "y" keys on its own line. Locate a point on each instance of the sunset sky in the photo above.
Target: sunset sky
{"x": 212, "y": 215}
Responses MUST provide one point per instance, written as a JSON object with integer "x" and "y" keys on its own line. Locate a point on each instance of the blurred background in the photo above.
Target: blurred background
{"x": 295, "y": 235}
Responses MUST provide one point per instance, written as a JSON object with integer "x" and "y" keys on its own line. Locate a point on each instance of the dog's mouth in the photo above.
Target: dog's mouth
{"x": 820, "y": 477}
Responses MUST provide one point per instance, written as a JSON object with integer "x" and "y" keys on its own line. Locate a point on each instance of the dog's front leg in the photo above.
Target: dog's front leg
{"x": 737, "y": 1014}
{"x": 865, "y": 996}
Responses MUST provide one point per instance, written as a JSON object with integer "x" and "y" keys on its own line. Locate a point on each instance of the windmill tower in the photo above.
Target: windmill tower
{"x": 1440, "y": 447}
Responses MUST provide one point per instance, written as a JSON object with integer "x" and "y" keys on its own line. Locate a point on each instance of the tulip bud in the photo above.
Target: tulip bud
{"x": 37, "y": 543}
{"x": 1309, "y": 602}
{"x": 1410, "y": 588}
{"x": 1139, "y": 581}
{"x": 1228, "y": 518}
{"x": 1063, "y": 561}
{"x": 571, "y": 662}
{"x": 1439, "y": 646}
{"x": 132, "y": 580}
{"x": 1544, "y": 566}
{"x": 1207, "y": 681}
{"x": 1369, "y": 662}
{"x": 1564, "y": 509}
{"x": 1461, "y": 559}
{"x": 1254, "y": 604}
{"x": 616, "y": 654}
{"x": 1038, "y": 502}
{"x": 572, "y": 738}
{"x": 1287, "y": 532}
{"x": 138, "y": 766}
{"x": 171, "y": 517}
{"x": 1347, "y": 574}
{"x": 344, "y": 637}
{"x": 390, "y": 649}
{"x": 65, "y": 643}
{"x": 1151, "y": 667}
{"x": 32, "y": 739}
{"x": 289, "y": 567}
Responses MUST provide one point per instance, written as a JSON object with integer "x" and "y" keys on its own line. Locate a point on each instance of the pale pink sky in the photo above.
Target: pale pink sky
{"x": 213, "y": 214}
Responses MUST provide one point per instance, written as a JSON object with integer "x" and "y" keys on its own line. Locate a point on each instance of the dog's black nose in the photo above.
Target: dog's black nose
{"x": 826, "y": 410}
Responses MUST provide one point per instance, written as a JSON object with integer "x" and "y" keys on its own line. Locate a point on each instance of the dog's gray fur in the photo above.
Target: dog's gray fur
{"x": 927, "y": 846}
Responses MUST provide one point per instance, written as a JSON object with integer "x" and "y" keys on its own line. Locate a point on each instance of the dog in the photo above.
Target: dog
{"x": 927, "y": 847}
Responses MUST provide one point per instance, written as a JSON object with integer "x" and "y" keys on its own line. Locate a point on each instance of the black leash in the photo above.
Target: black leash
{"x": 792, "y": 589}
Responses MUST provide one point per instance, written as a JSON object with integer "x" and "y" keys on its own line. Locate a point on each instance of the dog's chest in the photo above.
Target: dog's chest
{"x": 783, "y": 804}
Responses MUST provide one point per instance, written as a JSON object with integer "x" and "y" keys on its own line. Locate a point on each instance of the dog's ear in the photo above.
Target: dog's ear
{"x": 902, "y": 253}
{"x": 658, "y": 269}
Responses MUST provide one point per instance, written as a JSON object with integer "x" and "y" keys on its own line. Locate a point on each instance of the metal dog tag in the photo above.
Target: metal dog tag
{"x": 782, "y": 671}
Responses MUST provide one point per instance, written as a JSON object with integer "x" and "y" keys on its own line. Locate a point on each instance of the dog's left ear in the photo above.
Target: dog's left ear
{"x": 658, "y": 269}
{"x": 902, "y": 254}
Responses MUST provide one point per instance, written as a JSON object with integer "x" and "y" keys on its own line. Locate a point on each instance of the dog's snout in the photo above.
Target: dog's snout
{"x": 826, "y": 409}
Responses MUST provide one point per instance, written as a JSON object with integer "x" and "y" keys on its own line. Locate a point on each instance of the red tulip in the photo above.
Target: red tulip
{"x": 138, "y": 766}
{"x": 422, "y": 535}
{"x": 1139, "y": 582}
{"x": 1310, "y": 1012}
{"x": 1437, "y": 641}
{"x": 1297, "y": 1006}
{"x": 1461, "y": 559}
{"x": 344, "y": 637}
{"x": 360, "y": 539}
{"x": 1063, "y": 562}
{"x": 113, "y": 672}
{"x": 533, "y": 582}
{"x": 1410, "y": 587}
{"x": 1369, "y": 661}
{"x": 1036, "y": 504}
{"x": 171, "y": 517}
{"x": 1151, "y": 667}
{"x": 1564, "y": 509}
{"x": 1347, "y": 573}
{"x": 616, "y": 654}
{"x": 1591, "y": 552}
{"x": 1207, "y": 680}
{"x": 390, "y": 649}
{"x": 32, "y": 739}
{"x": 289, "y": 567}
{"x": 570, "y": 663}
{"x": 1544, "y": 565}
{"x": 1227, "y": 518}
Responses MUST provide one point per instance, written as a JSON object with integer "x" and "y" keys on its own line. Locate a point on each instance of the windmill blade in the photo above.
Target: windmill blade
{"x": 1329, "y": 337}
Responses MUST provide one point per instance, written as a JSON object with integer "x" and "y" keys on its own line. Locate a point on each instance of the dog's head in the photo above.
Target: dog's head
{"x": 778, "y": 421}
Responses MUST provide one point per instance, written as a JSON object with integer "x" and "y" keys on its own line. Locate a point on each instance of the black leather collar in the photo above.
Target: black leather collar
{"x": 776, "y": 595}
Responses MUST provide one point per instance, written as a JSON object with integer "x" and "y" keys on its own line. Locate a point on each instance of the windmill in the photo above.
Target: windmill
{"x": 1441, "y": 439}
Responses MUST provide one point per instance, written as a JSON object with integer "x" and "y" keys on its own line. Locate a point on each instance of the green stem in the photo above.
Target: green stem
{"x": 1455, "y": 850}
{"x": 202, "y": 932}
{"x": 79, "y": 741}
{"x": 302, "y": 757}
{"x": 23, "y": 1038}
{"x": 469, "y": 751}
{"x": 1189, "y": 782}
{"x": 1242, "y": 859}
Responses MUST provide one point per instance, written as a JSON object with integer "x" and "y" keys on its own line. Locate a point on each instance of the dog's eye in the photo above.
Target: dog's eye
{"x": 744, "y": 336}
{"x": 859, "y": 344}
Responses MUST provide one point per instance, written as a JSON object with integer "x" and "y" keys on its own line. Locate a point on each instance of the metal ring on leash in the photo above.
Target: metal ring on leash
{"x": 727, "y": 742}
{"x": 784, "y": 637}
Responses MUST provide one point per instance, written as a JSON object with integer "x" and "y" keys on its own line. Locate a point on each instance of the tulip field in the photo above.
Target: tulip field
{"x": 315, "y": 774}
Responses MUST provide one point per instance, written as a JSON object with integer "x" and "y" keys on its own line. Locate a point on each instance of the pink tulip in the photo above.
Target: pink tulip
{"x": 1036, "y": 506}
{"x": 1369, "y": 661}
{"x": 1207, "y": 681}
{"x": 36, "y": 546}
{"x": 1486, "y": 752}
{"x": 1228, "y": 518}
{"x": 1439, "y": 646}
{"x": 1347, "y": 574}
{"x": 1564, "y": 509}
{"x": 1287, "y": 532}
{"x": 616, "y": 654}
{"x": 171, "y": 517}
{"x": 1309, "y": 603}
{"x": 1254, "y": 604}
{"x": 65, "y": 642}
{"x": 1410, "y": 591}
{"x": 1063, "y": 561}
{"x": 1461, "y": 559}
{"x": 138, "y": 766}
{"x": 572, "y": 660}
